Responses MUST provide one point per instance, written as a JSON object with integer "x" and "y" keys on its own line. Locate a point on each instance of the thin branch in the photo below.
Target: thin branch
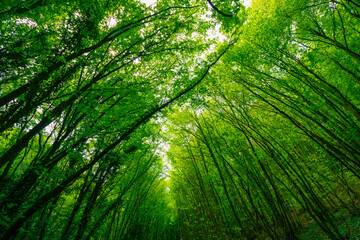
{"x": 216, "y": 9}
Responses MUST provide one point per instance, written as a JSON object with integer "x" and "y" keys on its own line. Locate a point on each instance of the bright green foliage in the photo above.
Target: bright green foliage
{"x": 126, "y": 121}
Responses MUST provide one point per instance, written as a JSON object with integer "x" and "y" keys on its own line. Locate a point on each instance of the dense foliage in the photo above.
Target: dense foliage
{"x": 121, "y": 120}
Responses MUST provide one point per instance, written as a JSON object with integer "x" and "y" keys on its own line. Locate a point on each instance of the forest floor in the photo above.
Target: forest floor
{"x": 348, "y": 225}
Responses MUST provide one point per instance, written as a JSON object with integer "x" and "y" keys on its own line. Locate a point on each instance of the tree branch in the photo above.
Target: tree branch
{"x": 216, "y": 9}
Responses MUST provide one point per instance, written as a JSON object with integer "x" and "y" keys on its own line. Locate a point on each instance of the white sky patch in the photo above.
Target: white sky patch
{"x": 112, "y": 22}
{"x": 247, "y": 3}
{"x": 149, "y": 2}
{"x": 161, "y": 151}
{"x": 215, "y": 33}
{"x": 27, "y": 21}
{"x": 112, "y": 52}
